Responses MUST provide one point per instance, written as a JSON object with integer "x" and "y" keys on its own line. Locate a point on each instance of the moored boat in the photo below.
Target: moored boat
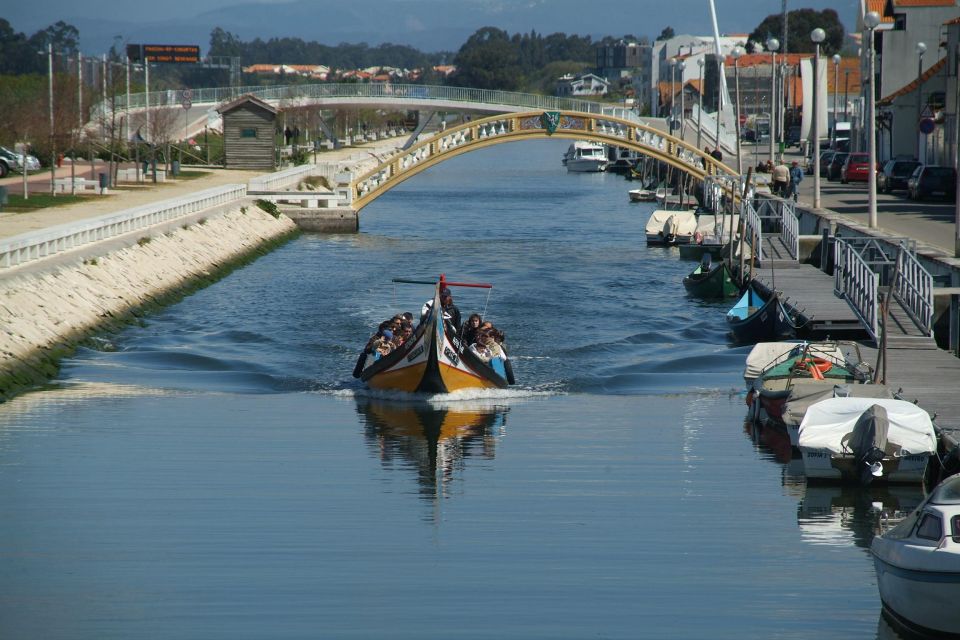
{"x": 819, "y": 366}
{"x": 710, "y": 280}
{"x": 585, "y": 157}
{"x": 918, "y": 565}
{"x": 642, "y": 195}
{"x": 755, "y": 318}
{"x": 667, "y": 226}
{"x": 433, "y": 359}
{"x": 866, "y": 440}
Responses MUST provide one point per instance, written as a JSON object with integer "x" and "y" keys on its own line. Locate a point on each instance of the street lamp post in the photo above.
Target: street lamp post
{"x": 673, "y": 92}
{"x": 721, "y": 81}
{"x": 683, "y": 107}
{"x": 836, "y": 87}
{"x": 700, "y": 63}
{"x": 53, "y": 146}
{"x": 736, "y": 53}
{"x": 870, "y": 21}
{"x": 818, "y": 35}
{"x": 921, "y": 49}
{"x": 772, "y": 45}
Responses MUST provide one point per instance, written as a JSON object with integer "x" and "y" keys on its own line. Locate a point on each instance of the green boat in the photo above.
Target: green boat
{"x": 711, "y": 281}
{"x": 695, "y": 251}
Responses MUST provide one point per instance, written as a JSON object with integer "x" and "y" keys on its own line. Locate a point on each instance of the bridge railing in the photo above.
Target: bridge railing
{"x": 36, "y": 245}
{"x": 913, "y": 287}
{"x": 293, "y": 93}
{"x": 858, "y": 283}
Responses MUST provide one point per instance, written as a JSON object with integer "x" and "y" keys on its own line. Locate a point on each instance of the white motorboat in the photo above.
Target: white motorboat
{"x": 918, "y": 565}
{"x": 585, "y": 157}
{"x": 642, "y": 195}
{"x": 669, "y": 226}
{"x": 865, "y": 440}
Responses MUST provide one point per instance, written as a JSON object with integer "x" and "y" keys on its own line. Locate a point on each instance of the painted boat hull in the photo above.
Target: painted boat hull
{"x": 432, "y": 361}
{"x": 826, "y": 466}
{"x": 766, "y": 322}
{"x": 923, "y": 601}
{"x": 715, "y": 283}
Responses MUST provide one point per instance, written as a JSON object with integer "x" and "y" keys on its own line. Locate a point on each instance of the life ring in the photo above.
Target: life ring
{"x": 816, "y": 366}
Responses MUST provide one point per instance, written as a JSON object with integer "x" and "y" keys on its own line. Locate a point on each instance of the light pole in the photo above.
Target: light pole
{"x": 818, "y": 35}
{"x": 736, "y": 53}
{"x": 836, "y": 87}
{"x": 870, "y": 21}
{"x": 921, "y": 49}
{"x": 673, "y": 92}
{"x": 721, "y": 80}
{"x": 53, "y": 146}
{"x": 700, "y": 63}
{"x": 683, "y": 65}
{"x": 772, "y": 45}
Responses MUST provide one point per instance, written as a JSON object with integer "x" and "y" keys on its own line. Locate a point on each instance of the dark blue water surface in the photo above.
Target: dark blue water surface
{"x": 217, "y": 472}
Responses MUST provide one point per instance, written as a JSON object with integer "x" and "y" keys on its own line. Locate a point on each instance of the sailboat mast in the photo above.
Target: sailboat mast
{"x": 721, "y": 78}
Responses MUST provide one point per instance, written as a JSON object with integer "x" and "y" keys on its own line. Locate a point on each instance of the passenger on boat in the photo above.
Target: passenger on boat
{"x": 451, "y": 314}
{"x": 468, "y": 333}
{"x": 481, "y": 351}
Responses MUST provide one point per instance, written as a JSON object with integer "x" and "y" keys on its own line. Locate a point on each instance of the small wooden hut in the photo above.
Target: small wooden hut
{"x": 248, "y": 133}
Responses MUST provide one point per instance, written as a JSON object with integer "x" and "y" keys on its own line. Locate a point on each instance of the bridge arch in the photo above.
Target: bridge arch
{"x": 513, "y": 127}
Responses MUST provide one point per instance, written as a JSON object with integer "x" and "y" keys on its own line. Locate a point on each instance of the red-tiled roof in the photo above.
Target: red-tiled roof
{"x": 924, "y": 3}
{"x": 926, "y": 75}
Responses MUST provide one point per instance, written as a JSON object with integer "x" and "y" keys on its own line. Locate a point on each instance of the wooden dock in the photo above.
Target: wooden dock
{"x": 808, "y": 292}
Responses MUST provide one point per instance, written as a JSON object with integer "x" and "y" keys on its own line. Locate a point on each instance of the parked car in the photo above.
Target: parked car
{"x": 825, "y": 159}
{"x": 932, "y": 180}
{"x": 895, "y": 174}
{"x": 856, "y": 168}
{"x": 836, "y": 164}
{"x": 792, "y": 139}
{"x": 13, "y": 161}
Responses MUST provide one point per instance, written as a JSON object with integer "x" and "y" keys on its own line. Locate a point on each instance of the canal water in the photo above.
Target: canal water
{"x": 216, "y": 472}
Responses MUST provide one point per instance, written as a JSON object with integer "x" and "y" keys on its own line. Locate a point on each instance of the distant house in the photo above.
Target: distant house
{"x": 585, "y": 85}
{"x": 248, "y": 133}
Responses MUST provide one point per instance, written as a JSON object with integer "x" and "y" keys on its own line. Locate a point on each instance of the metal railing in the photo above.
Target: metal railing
{"x": 857, "y": 282}
{"x": 914, "y": 289}
{"x": 412, "y": 92}
{"x": 37, "y": 245}
{"x": 754, "y": 229}
{"x": 790, "y": 228}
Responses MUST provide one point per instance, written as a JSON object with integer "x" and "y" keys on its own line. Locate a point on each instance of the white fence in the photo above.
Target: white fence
{"x": 754, "y": 229}
{"x": 282, "y": 179}
{"x": 36, "y": 245}
{"x": 914, "y": 289}
{"x": 857, "y": 282}
{"x": 790, "y": 228}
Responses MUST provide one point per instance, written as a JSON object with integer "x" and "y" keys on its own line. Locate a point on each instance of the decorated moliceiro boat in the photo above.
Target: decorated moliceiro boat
{"x": 434, "y": 359}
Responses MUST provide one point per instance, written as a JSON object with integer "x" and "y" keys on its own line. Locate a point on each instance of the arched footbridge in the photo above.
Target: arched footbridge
{"x": 515, "y": 127}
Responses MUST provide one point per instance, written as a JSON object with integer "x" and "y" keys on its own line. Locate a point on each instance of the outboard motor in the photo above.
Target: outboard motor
{"x": 706, "y": 262}
{"x": 868, "y": 442}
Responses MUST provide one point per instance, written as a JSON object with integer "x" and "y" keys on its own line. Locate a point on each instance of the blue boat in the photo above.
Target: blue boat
{"x": 755, "y": 318}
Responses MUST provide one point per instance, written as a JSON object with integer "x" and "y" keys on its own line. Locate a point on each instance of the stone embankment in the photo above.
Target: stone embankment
{"x": 47, "y": 309}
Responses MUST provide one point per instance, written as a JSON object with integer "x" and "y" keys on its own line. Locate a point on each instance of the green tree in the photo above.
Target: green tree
{"x": 489, "y": 59}
{"x": 799, "y": 24}
{"x": 666, "y": 34}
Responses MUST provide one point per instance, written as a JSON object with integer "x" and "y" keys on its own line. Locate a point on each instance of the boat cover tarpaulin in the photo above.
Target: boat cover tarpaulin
{"x": 828, "y": 421}
{"x": 765, "y": 354}
{"x": 806, "y": 393}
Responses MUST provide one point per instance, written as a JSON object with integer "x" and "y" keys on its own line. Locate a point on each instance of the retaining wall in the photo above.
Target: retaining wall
{"x": 50, "y": 307}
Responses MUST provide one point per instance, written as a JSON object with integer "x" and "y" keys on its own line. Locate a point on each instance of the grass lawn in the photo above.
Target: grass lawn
{"x": 16, "y": 203}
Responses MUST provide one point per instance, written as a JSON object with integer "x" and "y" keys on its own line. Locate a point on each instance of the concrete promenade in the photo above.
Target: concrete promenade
{"x": 129, "y": 195}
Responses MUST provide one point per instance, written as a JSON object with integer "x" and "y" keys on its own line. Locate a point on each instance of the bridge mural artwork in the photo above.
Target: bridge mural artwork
{"x": 513, "y": 127}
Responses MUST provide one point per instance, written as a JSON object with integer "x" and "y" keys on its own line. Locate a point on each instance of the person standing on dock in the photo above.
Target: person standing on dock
{"x": 781, "y": 180}
{"x": 796, "y": 177}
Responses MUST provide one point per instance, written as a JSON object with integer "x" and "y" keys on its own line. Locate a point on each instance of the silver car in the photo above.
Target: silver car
{"x": 13, "y": 161}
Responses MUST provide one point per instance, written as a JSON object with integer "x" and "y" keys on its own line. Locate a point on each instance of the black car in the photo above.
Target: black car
{"x": 932, "y": 180}
{"x": 895, "y": 174}
{"x": 825, "y": 159}
{"x": 836, "y": 165}
{"x": 792, "y": 139}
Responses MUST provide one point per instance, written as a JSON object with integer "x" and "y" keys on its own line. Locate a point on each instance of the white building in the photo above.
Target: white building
{"x": 585, "y": 85}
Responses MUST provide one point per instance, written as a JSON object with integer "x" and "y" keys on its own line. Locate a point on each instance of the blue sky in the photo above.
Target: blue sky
{"x": 429, "y": 25}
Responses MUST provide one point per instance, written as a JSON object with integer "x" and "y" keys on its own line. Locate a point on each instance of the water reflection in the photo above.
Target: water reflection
{"x": 840, "y": 515}
{"x": 434, "y": 439}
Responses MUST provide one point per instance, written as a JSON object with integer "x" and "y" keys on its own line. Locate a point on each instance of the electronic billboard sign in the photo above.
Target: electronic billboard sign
{"x": 164, "y": 53}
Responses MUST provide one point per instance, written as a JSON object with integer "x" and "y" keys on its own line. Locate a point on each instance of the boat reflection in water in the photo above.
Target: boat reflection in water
{"x": 840, "y": 515}
{"x": 432, "y": 437}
